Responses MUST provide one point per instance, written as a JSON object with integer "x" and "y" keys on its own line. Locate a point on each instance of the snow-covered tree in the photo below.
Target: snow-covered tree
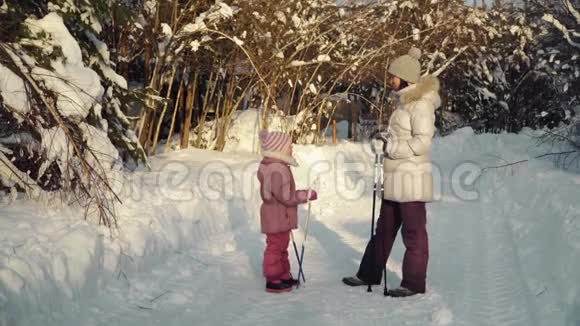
{"x": 62, "y": 105}
{"x": 561, "y": 52}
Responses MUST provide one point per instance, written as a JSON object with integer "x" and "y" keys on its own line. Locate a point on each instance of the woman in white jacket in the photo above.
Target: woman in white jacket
{"x": 408, "y": 182}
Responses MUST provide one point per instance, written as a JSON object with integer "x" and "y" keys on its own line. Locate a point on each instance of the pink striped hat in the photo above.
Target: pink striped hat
{"x": 277, "y": 145}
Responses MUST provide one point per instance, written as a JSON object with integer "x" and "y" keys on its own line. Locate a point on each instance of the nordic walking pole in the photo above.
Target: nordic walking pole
{"x": 305, "y": 237}
{"x": 382, "y": 181}
{"x": 305, "y": 233}
{"x": 300, "y": 271}
{"x": 370, "y": 287}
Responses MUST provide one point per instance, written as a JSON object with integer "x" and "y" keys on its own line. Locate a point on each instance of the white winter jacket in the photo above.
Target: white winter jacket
{"x": 407, "y": 165}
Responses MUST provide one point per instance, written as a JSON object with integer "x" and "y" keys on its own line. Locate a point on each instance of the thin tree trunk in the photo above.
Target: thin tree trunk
{"x": 160, "y": 121}
{"x": 146, "y": 116}
{"x": 334, "y": 131}
{"x": 149, "y": 132}
{"x": 354, "y": 118}
{"x": 147, "y": 58}
{"x": 143, "y": 126}
{"x": 218, "y": 121}
{"x": 178, "y": 104}
{"x": 175, "y": 14}
{"x": 123, "y": 64}
{"x": 211, "y": 85}
{"x": 191, "y": 90}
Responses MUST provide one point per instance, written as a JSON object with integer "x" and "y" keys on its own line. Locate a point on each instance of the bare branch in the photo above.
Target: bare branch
{"x": 527, "y": 160}
{"x": 450, "y": 61}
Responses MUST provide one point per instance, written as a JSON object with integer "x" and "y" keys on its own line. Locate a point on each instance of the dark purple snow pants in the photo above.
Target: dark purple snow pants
{"x": 412, "y": 216}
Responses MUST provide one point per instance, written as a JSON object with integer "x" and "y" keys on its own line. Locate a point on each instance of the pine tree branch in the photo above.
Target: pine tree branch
{"x": 96, "y": 192}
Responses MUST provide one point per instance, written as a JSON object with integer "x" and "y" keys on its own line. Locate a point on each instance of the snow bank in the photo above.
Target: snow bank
{"x": 242, "y": 135}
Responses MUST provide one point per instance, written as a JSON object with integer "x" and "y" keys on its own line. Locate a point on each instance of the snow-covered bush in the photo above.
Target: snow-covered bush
{"x": 513, "y": 74}
{"x": 204, "y": 60}
{"x": 61, "y": 104}
{"x": 292, "y": 57}
{"x": 495, "y": 76}
{"x": 562, "y": 57}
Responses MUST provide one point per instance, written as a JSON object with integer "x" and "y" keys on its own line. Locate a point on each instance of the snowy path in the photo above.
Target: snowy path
{"x": 474, "y": 274}
{"x": 475, "y": 267}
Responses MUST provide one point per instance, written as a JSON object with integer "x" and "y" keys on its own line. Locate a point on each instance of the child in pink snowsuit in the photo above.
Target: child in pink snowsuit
{"x": 279, "y": 210}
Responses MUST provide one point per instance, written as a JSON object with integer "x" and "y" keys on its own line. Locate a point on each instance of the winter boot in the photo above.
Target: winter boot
{"x": 353, "y": 281}
{"x": 291, "y": 281}
{"x": 278, "y": 287}
{"x": 400, "y": 292}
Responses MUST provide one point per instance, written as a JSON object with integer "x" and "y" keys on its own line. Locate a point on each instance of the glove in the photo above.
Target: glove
{"x": 385, "y": 136}
{"x": 313, "y": 195}
{"x": 303, "y": 195}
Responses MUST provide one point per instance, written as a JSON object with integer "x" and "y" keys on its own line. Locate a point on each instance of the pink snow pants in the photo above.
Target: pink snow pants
{"x": 276, "y": 265}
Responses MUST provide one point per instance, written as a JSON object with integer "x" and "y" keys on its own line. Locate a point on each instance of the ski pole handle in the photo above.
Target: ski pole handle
{"x": 309, "y": 202}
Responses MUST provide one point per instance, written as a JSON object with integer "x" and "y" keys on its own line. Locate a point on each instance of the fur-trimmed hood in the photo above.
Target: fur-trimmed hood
{"x": 277, "y": 157}
{"x": 426, "y": 89}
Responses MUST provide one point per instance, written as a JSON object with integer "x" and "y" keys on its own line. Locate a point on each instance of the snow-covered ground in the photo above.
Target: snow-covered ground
{"x": 505, "y": 247}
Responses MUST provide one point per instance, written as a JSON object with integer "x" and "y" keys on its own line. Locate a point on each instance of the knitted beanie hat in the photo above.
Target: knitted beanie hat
{"x": 407, "y": 67}
{"x": 277, "y": 145}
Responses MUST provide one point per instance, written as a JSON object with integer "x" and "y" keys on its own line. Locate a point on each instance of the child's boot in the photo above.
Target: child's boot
{"x": 278, "y": 287}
